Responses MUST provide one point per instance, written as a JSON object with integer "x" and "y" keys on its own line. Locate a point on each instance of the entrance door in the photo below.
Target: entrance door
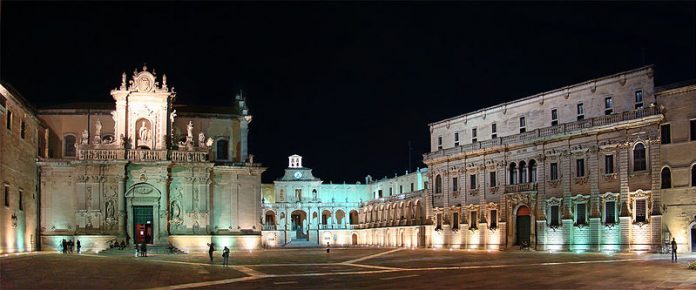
{"x": 523, "y": 225}
{"x": 297, "y": 218}
{"x": 143, "y": 223}
{"x": 693, "y": 238}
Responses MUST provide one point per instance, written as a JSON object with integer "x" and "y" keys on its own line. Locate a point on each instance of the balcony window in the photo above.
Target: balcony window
{"x": 222, "y": 149}
{"x": 380, "y": 194}
{"x": 494, "y": 130}
{"x": 554, "y": 117}
{"x": 69, "y": 145}
{"x": 665, "y": 134}
{"x": 513, "y": 173}
{"x": 473, "y": 222}
{"x": 494, "y": 219}
{"x": 610, "y": 212}
{"x": 639, "y": 99}
{"x": 580, "y": 112}
{"x": 523, "y": 172}
{"x": 532, "y": 171}
{"x": 555, "y": 215}
{"x": 608, "y": 164}
{"x": 455, "y": 220}
{"x": 608, "y": 106}
{"x": 580, "y": 214}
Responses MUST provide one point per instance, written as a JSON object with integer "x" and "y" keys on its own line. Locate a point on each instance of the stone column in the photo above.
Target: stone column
{"x": 244, "y": 132}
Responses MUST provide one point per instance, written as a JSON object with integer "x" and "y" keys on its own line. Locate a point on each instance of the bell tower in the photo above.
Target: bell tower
{"x": 143, "y": 106}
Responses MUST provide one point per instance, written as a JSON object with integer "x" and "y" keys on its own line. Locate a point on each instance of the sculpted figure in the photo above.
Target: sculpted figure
{"x": 144, "y": 133}
{"x": 189, "y": 129}
{"x": 110, "y": 209}
{"x": 98, "y": 126}
{"x": 201, "y": 139}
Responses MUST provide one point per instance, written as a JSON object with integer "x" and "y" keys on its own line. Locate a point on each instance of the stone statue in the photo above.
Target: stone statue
{"x": 172, "y": 115}
{"x": 85, "y": 137}
{"x": 144, "y": 133}
{"x": 113, "y": 116}
{"x": 201, "y": 139}
{"x": 110, "y": 209}
{"x": 209, "y": 142}
{"x": 189, "y": 129}
{"x": 176, "y": 210}
{"x": 89, "y": 198}
{"x": 98, "y": 127}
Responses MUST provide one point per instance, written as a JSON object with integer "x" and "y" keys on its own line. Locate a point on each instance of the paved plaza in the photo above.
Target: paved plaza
{"x": 375, "y": 268}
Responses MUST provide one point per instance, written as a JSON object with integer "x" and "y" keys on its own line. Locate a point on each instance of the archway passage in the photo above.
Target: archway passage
{"x": 523, "y": 222}
{"x": 355, "y": 240}
{"x": 299, "y": 218}
{"x": 693, "y": 238}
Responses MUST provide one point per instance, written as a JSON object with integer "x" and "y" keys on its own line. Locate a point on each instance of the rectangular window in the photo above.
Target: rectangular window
{"x": 439, "y": 143}
{"x": 22, "y": 129}
{"x": 8, "y": 120}
{"x": 456, "y": 139}
{"x": 610, "y": 212}
{"x": 554, "y": 215}
{"x": 640, "y": 211}
{"x": 473, "y": 135}
{"x": 581, "y": 112}
{"x": 379, "y": 193}
{"x": 580, "y": 213}
{"x": 639, "y": 99}
{"x": 473, "y": 222}
{"x": 608, "y": 164}
{"x": 494, "y": 130}
{"x": 21, "y": 201}
{"x": 390, "y": 191}
{"x": 580, "y": 167}
{"x": 665, "y": 134}
{"x": 492, "y": 179}
{"x": 608, "y": 106}
{"x": 692, "y": 129}
{"x": 401, "y": 189}
{"x": 412, "y": 189}
{"x": 554, "y": 117}
{"x": 523, "y": 125}
{"x": 455, "y": 220}
{"x": 455, "y": 185}
{"x": 472, "y": 181}
{"x": 7, "y": 196}
{"x": 554, "y": 171}
{"x": 439, "y": 220}
{"x": 494, "y": 218}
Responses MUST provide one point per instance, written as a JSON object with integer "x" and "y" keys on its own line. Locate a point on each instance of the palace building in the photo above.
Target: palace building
{"x": 608, "y": 164}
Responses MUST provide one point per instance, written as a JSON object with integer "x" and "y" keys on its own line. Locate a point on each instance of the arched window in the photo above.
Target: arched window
{"x": 438, "y": 184}
{"x": 666, "y": 177}
{"x": 523, "y": 172}
{"x": 693, "y": 175}
{"x": 639, "y": 162}
{"x": 513, "y": 172}
{"x": 222, "y": 149}
{"x": 69, "y": 149}
{"x": 532, "y": 171}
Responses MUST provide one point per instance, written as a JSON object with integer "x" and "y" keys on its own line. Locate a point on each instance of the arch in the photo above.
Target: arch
{"x": 222, "y": 149}
{"x": 142, "y": 188}
{"x": 665, "y": 178}
{"x": 340, "y": 216}
{"x": 298, "y": 222}
{"x": 513, "y": 172}
{"x": 438, "y": 184}
{"x": 523, "y": 223}
{"x": 325, "y": 217}
{"x": 144, "y": 137}
{"x": 532, "y": 171}
{"x": 523, "y": 172}
{"x": 69, "y": 142}
{"x": 270, "y": 218}
{"x": 353, "y": 217}
{"x": 354, "y": 239}
{"x": 691, "y": 234}
{"x": 639, "y": 158}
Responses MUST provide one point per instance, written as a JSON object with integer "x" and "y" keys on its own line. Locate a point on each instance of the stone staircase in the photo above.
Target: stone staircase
{"x": 151, "y": 250}
{"x": 301, "y": 244}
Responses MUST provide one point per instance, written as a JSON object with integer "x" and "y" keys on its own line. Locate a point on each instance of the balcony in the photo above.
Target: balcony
{"x": 548, "y": 132}
{"x": 269, "y": 227}
{"x": 140, "y": 155}
{"x": 521, "y": 187}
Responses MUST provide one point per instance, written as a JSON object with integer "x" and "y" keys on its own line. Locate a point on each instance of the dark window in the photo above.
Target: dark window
{"x": 439, "y": 142}
{"x": 494, "y": 218}
{"x": 8, "y": 120}
{"x": 640, "y": 210}
{"x": 666, "y": 178}
{"x": 610, "y": 212}
{"x": 456, "y": 139}
{"x": 23, "y": 129}
{"x": 473, "y": 135}
{"x": 455, "y": 220}
{"x": 21, "y": 201}
{"x": 639, "y": 99}
{"x": 693, "y": 175}
{"x": 665, "y": 134}
{"x": 581, "y": 112}
{"x": 639, "y": 162}
{"x": 580, "y": 213}
{"x": 532, "y": 171}
{"x": 379, "y": 193}
{"x": 494, "y": 129}
{"x": 439, "y": 220}
{"x": 390, "y": 191}
{"x": 401, "y": 189}
{"x": 554, "y": 171}
{"x": 473, "y": 221}
{"x": 493, "y": 182}
{"x": 608, "y": 164}
{"x": 438, "y": 184}
{"x": 222, "y": 149}
{"x": 472, "y": 181}
{"x": 7, "y": 196}
{"x": 523, "y": 125}
{"x": 69, "y": 149}
{"x": 455, "y": 186}
{"x": 412, "y": 189}
{"x": 513, "y": 173}
{"x": 554, "y": 117}
{"x": 554, "y": 215}
{"x": 692, "y": 128}
{"x": 523, "y": 172}
{"x": 580, "y": 167}
{"x": 608, "y": 106}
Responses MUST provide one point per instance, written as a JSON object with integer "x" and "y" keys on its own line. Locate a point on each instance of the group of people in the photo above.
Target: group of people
{"x": 117, "y": 245}
{"x": 225, "y": 254}
{"x": 141, "y": 250}
{"x": 68, "y": 246}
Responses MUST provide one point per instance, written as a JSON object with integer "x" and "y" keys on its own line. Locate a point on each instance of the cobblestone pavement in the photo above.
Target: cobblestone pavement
{"x": 348, "y": 269}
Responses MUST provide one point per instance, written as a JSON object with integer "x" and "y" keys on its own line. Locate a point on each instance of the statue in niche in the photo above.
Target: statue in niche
{"x": 189, "y": 129}
{"x": 115, "y": 118}
{"x": 176, "y": 210}
{"x": 110, "y": 210}
{"x": 98, "y": 127}
{"x": 144, "y": 133}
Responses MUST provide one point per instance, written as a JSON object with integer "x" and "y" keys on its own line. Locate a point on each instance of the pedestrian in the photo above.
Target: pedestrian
{"x": 674, "y": 250}
{"x": 328, "y": 249}
{"x": 65, "y": 246}
{"x": 78, "y": 247}
{"x": 137, "y": 250}
{"x": 70, "y": 246}
{"x": 211, "y": 249}
{"x": 123, "y": 245}
{"x": 226, "y": 257}
{"x": 143, "y": 250}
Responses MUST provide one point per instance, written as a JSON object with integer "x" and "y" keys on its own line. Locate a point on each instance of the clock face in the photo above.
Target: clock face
{"x": 298, "y": 174}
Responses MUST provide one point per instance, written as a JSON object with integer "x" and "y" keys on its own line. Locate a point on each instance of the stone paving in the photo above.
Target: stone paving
{"x": 374, "y": 268}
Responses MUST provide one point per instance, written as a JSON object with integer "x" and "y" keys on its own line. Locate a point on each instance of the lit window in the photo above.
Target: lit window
{"x": 581, "y": 112}
{"x": 494, "y": 130}
{"x": 639, "y": 99}
{"x": 523, "y": 125}
{"x": 639, "y": 162}
{"x": 554, "y": 117}
{"x": 608, "y": 106}
{"x": 665, "y": 134}
{"x": 608, "y": 164}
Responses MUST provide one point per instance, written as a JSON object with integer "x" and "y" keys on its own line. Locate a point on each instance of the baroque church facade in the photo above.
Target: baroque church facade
{"x": 605, "y": 165}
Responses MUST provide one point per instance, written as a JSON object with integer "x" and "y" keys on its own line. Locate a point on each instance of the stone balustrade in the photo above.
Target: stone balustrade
{"x": 189, "y": 156}
{"x": 521, "y": 187}
{"x": 141, "y": 155}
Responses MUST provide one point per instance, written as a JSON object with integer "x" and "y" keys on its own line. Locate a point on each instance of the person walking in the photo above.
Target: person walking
{"x": 211, "y": 249}
{"x": 674, "y": 250}
{"x": 143, "y": 249}
{"x": 78, "y": 247}
{"x": 70, "y": 246}
{"x": 65, "y": 246}
{"x": 226, "y": 257}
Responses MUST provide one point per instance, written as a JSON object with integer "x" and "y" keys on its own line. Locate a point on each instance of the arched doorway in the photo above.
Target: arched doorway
{"x": 299, "y": 218}
{"x": 693, "y": 237}
{"x": 354, "y": 241}
{"x": 353, "y": 217}
{"x": 523, "y": 225}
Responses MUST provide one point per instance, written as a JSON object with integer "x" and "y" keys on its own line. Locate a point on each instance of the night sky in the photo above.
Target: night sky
{"x": 346, "y": 85}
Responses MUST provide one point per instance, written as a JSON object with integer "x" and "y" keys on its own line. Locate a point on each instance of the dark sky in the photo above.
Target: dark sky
{"x": 346, "y": 85}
